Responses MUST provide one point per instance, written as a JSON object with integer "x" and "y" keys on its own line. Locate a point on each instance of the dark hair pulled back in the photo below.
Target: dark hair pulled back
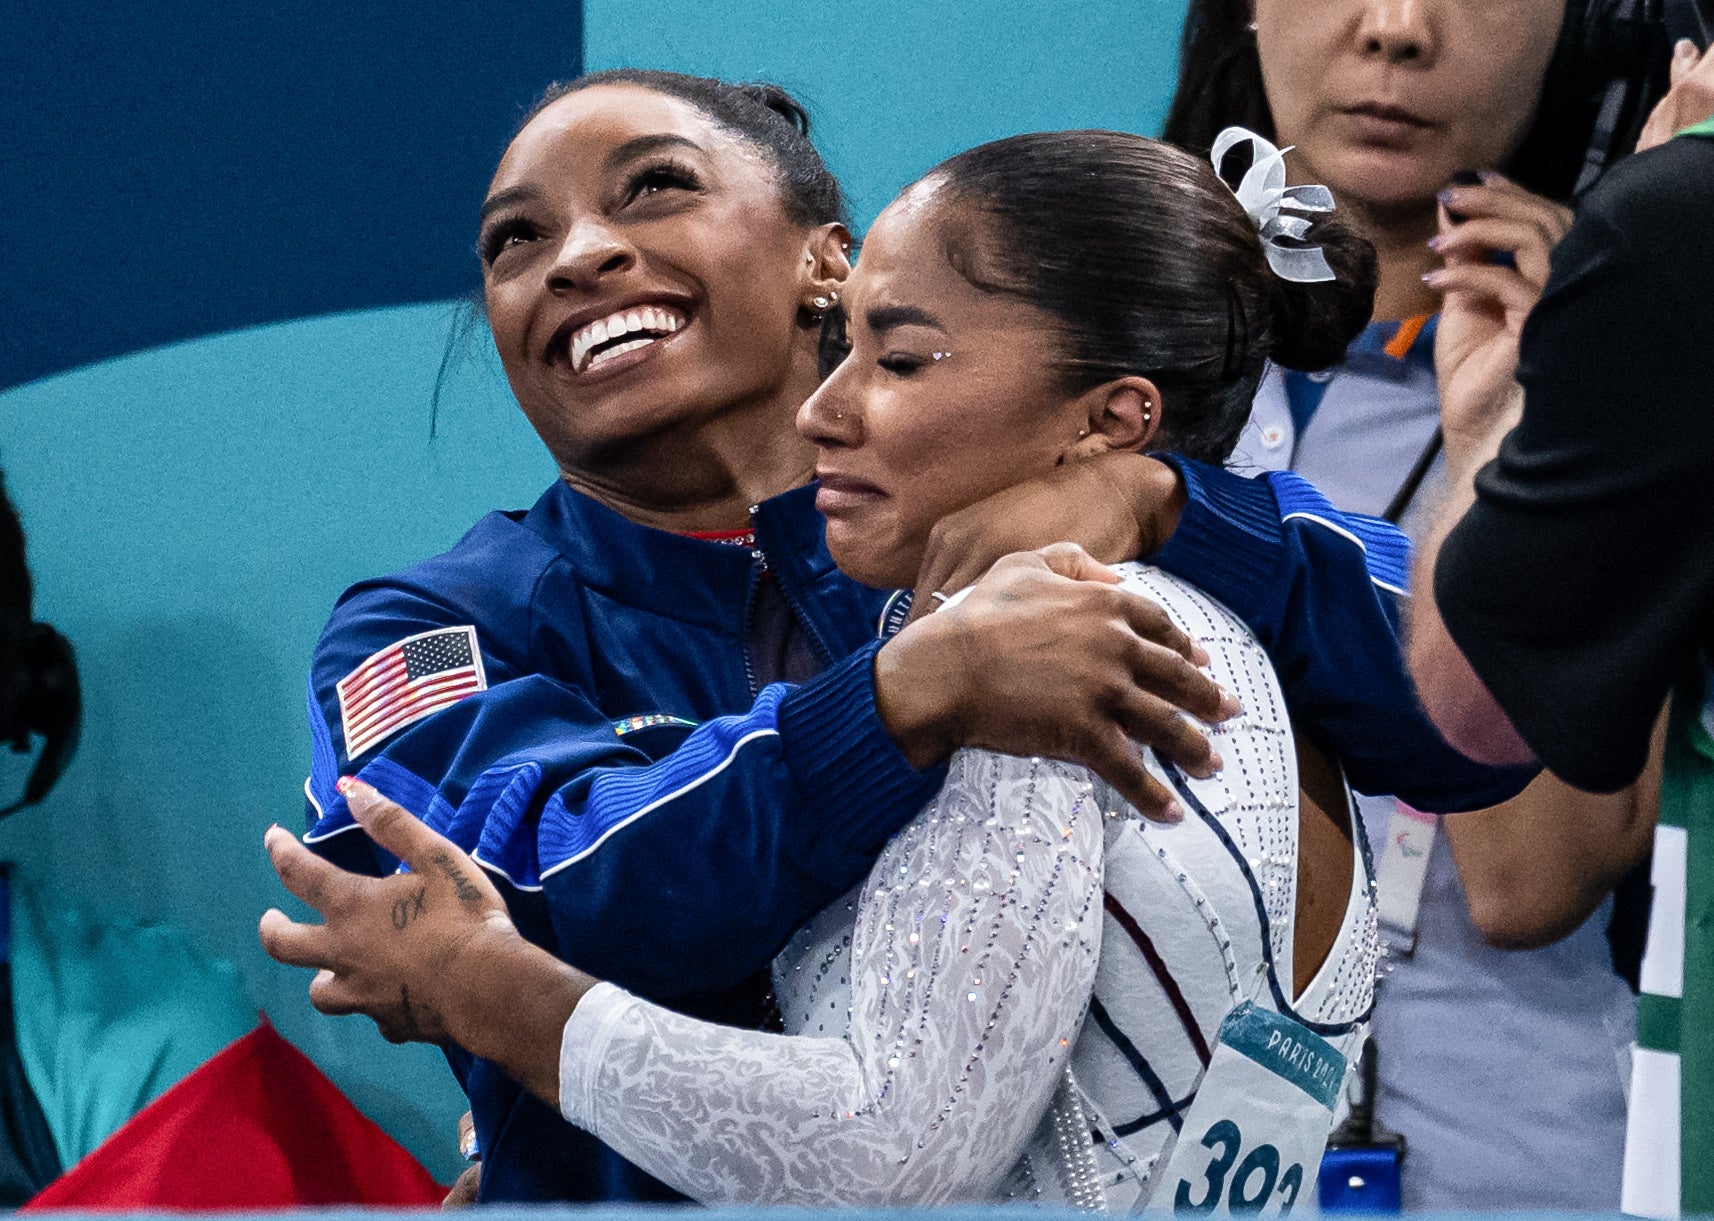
{"x": 766, "y": 116}
{"x": 1153, "y": 268}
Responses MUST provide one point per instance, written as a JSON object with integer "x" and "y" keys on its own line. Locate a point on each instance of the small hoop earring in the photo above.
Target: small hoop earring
{"x": 1251, "y": 28}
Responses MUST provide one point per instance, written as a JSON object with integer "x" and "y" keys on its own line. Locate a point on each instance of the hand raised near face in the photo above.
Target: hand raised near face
{"x": 1688, "y": 102}
{"x": 1485, "y": 303}
{"x": 1117, "y": 506}
{"x": 1046, "y": 657}
{"x": 395, "y": 948}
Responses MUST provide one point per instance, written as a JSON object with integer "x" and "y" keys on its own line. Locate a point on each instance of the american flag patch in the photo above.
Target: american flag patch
{"x": 406, "y": 682}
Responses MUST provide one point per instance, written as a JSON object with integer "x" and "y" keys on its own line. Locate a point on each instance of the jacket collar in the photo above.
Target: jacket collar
{"x": 701, "y": 582}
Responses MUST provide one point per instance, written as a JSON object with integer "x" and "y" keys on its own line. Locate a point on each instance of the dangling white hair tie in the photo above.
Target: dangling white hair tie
{"x": 1263, "y": 193}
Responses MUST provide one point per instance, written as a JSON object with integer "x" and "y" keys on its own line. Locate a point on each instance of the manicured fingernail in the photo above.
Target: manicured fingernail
{"x": 344, "y": 783}
{"x": 1172, "y": 812}
{"x": 1198, "y": 655}
{"x": 1437, "y": 241}
{"x": 1229, "y": 705}
{"x": 1490, "y": 177}
{"x": 1447, "y": 195}
{"x": 1433, "y": 279}
{"x": 1215, "y": 761}
{"x": 1684, "y": 50}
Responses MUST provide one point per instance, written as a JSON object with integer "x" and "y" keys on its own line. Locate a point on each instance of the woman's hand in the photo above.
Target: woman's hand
{"x": 1046, "y": 657}
{"x": 1116, "y": 507}
{"x": 431, "y": 954}
{"x": 395, "y": 948}
{"x": 1485, "y": 303}
{"x": 1688, "y": 102}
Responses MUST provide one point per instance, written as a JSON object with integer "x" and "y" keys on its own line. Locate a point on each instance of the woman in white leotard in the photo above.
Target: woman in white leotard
{"x": 940, "y": 1012}
{"x": 1023, "y": 996}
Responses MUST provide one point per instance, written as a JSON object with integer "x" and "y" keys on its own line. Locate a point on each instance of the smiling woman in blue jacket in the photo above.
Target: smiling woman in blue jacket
{"x": 711, "y": 729}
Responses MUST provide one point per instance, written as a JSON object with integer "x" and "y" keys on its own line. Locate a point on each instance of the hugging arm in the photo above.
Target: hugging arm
{"x": 1320, "y": 588}
{"x": 971, "y": 964}
{"x": 784, "y": 806}
{"x": 532, "y": 778}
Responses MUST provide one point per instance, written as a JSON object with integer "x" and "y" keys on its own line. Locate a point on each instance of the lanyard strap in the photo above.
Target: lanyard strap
{"x": 1408, "y": 489}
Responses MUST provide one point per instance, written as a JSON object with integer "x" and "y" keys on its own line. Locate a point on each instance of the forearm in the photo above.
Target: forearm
{"x": 958, "y": 991}
{"x": 780, "y": 812}
{"x": 1451, "y": 692}
{"x": 508, "y": 1001}
{"x": 1538, "y": 866}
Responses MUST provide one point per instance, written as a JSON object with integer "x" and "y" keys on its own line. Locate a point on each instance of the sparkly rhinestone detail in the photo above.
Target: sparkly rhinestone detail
{"x": 941, "y": 1049}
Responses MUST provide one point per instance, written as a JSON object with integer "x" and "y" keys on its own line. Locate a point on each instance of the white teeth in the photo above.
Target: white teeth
{"x": 618, "y": 349}
{"x": 659, "y": 319}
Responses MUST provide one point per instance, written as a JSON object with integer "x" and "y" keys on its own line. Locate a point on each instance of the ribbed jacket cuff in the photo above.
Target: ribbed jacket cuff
{"x": 1229, "y": 539}
{"x": 847, "y": 766}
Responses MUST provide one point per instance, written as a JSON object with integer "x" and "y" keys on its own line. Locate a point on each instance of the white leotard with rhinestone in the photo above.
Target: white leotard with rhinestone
{"x": 1028, "y": 963}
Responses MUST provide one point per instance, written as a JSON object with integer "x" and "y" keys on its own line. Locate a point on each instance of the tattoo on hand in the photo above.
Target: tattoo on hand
{"x": 467, "y": 890}
{"x": 409, "y": 908}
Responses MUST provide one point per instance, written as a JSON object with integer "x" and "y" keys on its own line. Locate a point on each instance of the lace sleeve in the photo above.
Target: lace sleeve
{"x": 972, "y": 961}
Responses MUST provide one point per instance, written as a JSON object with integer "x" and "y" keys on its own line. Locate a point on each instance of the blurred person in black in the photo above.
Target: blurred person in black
{"x": 1573, "y": 575}
{"x": 39, "y": 698}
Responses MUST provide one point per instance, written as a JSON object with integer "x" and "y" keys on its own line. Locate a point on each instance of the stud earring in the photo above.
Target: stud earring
{"x": 821, "y": 303}
{"x": 1081, "y": 433}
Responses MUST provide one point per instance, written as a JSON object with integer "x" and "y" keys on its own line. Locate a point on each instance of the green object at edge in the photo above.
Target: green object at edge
{"x": 1687, "y": 800}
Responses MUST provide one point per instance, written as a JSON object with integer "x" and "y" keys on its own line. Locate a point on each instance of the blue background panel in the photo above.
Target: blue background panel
{"x": 184, "y": 167}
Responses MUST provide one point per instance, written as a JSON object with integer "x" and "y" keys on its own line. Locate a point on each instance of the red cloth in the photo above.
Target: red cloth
{"x": 257, "y": 1126}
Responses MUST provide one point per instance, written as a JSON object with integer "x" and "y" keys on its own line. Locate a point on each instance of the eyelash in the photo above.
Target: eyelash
{"x": 901, "y": 365}
{"x": 649, "y": 180}
{"x": 499, "y": 237}
{"x": 662, "y": 176}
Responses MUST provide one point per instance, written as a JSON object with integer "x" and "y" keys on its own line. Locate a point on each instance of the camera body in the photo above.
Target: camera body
{"x": 1608, "y": 70}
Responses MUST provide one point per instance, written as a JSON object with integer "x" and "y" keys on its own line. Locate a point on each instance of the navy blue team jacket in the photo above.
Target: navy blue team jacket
{"x": 659, "y": 823}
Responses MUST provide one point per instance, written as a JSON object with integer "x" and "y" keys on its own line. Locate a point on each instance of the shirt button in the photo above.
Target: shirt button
{"x": 1273, "y": 436}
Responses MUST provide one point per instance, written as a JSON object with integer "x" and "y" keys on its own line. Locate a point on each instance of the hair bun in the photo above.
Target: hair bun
{"x": 776, "y": 99}
{"x": 1313, "y": 324}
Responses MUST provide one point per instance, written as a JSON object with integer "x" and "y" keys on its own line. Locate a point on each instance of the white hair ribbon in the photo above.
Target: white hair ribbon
{"x": 1264, "y": 193}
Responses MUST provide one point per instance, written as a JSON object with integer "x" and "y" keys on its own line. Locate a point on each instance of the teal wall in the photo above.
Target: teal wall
{"x": 894, "y": 86}
{"x": 194, "y": 510}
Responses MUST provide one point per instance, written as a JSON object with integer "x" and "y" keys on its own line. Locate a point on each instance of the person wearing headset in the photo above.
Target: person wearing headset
{"x": 1498, "y": 927}
{"x": 1575, "y": 590}
{"x": 98, "y": 1017}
